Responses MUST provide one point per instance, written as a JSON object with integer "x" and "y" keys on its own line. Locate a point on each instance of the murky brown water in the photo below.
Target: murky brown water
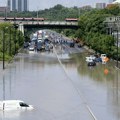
{"x": 61, "y": 92}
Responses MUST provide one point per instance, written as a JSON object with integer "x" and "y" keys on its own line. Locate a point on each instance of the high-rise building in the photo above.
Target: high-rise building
{"x": 18, "y": 5}
{"x": 14, "y": 5}
{"x": 87, "y": 7}
{"x": 8, "y": 4}
{"x": 25, "y": 5}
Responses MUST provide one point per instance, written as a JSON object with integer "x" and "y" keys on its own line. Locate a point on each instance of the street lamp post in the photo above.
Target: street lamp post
{"x": 78, "y": 12}
{"x": 3, "y": 34}
{"x": 114, "y": 29}
{"x": 19, "y": 37}
{"x": 117, "y": 47}
{"x": 116, "y": 35}
{"x": 10, "y": 43}
{"x": 15, "y": 41}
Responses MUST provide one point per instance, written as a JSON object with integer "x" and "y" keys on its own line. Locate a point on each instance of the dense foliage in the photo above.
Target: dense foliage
{"x": 13, "y": 40}
{"x": 93, "y": 32}
{"x": 57, "y": 12}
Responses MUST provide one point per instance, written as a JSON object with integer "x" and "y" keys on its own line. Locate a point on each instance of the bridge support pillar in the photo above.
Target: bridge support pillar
{"x": 21, "y": 28}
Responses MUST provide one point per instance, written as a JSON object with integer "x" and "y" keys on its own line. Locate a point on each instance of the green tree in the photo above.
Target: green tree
{"x": 8, "y": 31}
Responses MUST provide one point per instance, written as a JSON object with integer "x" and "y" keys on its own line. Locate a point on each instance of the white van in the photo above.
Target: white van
{"x": 14, "y": 105}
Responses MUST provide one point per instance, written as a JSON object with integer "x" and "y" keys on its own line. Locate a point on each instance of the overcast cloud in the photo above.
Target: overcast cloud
{"x": 42, "y": 4}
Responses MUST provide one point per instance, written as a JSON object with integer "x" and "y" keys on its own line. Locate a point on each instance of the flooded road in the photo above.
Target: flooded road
{"x": 64, "y": 89}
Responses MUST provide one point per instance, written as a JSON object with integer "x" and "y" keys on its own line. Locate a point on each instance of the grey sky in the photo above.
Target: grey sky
{"x": 42, "y": 4}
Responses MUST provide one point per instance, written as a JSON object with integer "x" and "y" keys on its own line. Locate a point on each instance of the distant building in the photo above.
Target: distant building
{"x": 18, "y": 5}
{"x": 87, "y": 7}
{"x": 100, "y": 5}
{"x": 109, "y": 5}
{"x": 116, "y": 2}
{"x": 8, "y": 4}
{"x": 111, "y": 1}
{"x": 4, "y": 10}
{"x": 14, "y": 7}
{"x": 25, "y": 5}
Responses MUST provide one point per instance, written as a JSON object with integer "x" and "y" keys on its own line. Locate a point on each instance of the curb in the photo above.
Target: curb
{"x": 87, "y": 48}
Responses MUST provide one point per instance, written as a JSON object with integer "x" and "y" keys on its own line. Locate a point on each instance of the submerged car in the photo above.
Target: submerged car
{"x": 92, "y": 63}
{"x": 71, "y": 43}
{"x": 6, "y": 105}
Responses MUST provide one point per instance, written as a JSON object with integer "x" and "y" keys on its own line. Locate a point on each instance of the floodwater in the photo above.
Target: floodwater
{"x": 64, "y": 89}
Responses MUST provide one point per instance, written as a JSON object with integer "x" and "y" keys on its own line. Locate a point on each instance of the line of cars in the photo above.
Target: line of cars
{"x": 93, "y": 59}
{"x": 38, "y": 45}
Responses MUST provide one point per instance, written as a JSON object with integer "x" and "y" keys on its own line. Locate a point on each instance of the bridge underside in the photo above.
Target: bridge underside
{"x": 52, "y": 26}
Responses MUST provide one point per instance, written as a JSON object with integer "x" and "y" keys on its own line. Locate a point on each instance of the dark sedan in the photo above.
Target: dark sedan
{"x": 92, "y": 63}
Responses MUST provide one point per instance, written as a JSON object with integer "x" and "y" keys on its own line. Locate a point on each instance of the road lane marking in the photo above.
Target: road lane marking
{"x": 78, "y": 91}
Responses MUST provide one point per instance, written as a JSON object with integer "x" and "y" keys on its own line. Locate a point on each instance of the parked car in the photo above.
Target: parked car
{"x": 46, "y": 41}
{"x": 47, "y": 47}
{"x": 39, "y": 46}
{"x": 32, "y": 47}
{"x": 26, "y": 44}
{"x": 34, "y": 39}
{"x": 79, "y": 45}
{"x": 6, "y": 105}
{"x": 71, "y": 43}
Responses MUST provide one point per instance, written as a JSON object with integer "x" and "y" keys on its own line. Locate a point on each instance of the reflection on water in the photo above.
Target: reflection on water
{"x": 39, "y": 80}
{"x": 114, "y": 94}
{"x": 97, "y": 72}
{"x": 10, "y": 114}
{"x": 105, "y": 87}
{"x": 3, "y": 87}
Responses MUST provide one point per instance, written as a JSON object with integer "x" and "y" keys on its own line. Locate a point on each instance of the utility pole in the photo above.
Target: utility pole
{"x": 113, "y": 28}
{"x": 37, "y": 16}
{"x": 10, "y": 43}
{"x": 116, "y": 25}
{"x": 3, "y": 40}
{"x": 117, "y": 46}
{"x": 15, "y": 42}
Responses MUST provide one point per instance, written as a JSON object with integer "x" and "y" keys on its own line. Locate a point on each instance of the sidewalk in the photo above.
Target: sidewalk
{"x": 90, "y": 50}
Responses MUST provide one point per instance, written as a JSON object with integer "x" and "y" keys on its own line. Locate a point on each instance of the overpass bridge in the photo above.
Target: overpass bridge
{"x": 24, "y": 23}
